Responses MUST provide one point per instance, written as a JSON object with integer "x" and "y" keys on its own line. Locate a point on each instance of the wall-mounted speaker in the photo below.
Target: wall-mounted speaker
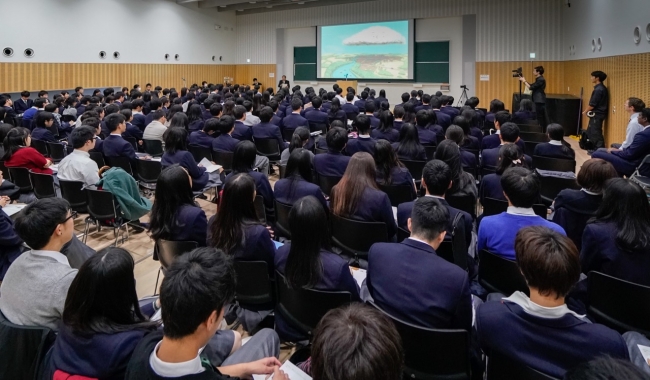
{"x": 7, "y": 52}
{"x": 177, "y": 57}
{"x": 214, "y": 58}
{"x": 102, "y": 54}
{"x": 29, "y": 52}
{"x": 220, "y": 58}
{"x": 116, "y": 55}
{"x": 166, "y": 57}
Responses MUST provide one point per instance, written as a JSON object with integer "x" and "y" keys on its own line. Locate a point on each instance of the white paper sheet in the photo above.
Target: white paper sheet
{"x": 359, "y": 275}
{"x": 12, "y": 209}
{"x": 293, "y": 372}
{"x": 645, "y": 351}
{"x": 209, "y": 166}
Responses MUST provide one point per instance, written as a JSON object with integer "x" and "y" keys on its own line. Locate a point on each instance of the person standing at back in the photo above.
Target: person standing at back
{"x": 539, "y": 96}
{"x": 598, "y": 104}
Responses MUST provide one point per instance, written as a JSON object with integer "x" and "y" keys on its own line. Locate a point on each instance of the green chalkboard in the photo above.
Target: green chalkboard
{"x": 306, "y": 54}
{"x": 304, "y": 63}
{"x": 432, "y": 62}
{"x": 432, "y": 51}
{"x": 304, "y": 71}
{"x": 432, "y": 72}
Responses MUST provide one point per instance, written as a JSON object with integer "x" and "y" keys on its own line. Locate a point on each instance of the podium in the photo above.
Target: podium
{"x": 344, "y": 84}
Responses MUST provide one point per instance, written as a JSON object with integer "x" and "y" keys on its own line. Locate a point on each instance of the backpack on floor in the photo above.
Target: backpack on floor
{"x": 584, "y": 142}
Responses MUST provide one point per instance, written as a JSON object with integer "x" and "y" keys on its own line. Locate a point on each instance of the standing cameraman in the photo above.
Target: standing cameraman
{"x": 539, "y": 96}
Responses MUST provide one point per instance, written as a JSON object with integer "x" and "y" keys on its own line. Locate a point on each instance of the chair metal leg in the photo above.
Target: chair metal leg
{"x": 155, "y": 289}
{"x": 85, "y": 236}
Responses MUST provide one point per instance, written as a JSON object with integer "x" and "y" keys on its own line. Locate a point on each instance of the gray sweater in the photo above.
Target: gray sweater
{"x": 34, "y": 289}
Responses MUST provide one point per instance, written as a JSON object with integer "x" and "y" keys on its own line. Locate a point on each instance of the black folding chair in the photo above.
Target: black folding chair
{"x": 610, "y": 303}
{"x": 282, "y": 211}
{"x": 304, "y": 308}
{"x": 554, "y": 164}
{"x": 287, "y": 133}
{"x": 153, "y": 148}
{"x": 102, "y": 209}
{"x": 98, "y": 157}
{"x": 488, "y": 170}
{"x": 327, "y": 183}
{"x": 466, "y": 203}
{"x": 319, "y": 151}
{"x": 57, "y": 151}
{"x": 551, "y": 186}
{"x": 268, "y": 148}
{"x": 40, "y": 146}
{"x": 283, "y": 171}
{"x": 166, "y": 251}
{"x": 200, "y": 152}
{"x": 399, "y": 194}
{"x": 20, "y": 178}
{"x": 355, "y": 237}
{"x": 501, "y": 367}
{"x": 120, "y": 162}
{"x": 402, "y": 234}
{"x": 251, "y": 290}
{"x": 43, "y": 185}
{"x": 433, "y": 353}
{"x": 499, "y": 275}
{"x": 72, "y": 192}
{"x": 147, "y": 174}
{"x": 531, "y": 140}
{"x": 260, "y": 210}
{"x": 224, "y": 159}
{"x": 4, "y": 170}
{"x": 415, "y": 168}
{"x": 315, "y": 127}
{"x": 530, "y": 128}
{"x": 133, "y": 141}
{"x": 22, "y": 349}
{"x": 430, "y": 151}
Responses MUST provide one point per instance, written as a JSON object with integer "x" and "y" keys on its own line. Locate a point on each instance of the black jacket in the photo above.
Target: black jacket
{"x": 539, "y": 96}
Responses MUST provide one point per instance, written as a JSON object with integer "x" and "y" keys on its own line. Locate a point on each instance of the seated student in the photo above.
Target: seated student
{"x": 132, "y": 130}
{"x": 364, "y": 143}
{"x": 456, "y": 134}
{"x": 357, "y": 197}
{"x": 30, "y": 115}
{"x": 540, "y": 331}
{"x": 139, "y": 119}
{"x": 494, "y": 140}
{"x": 427, "y": 136}
{"x": 370, "y": 113}
{"x": 431, "y": 292}
{"x": 154, "y": 105}
{"x": 490, "y": 186}
{"x": 95, "y": 125}
{"x": 625, "y": 161}
{"x": 556, "y": 148}
{"x": 473, "y": 120}
{"x": 236, "y": 230}
{"x": 633, "y": 106}
{"x": 43, "y": 130}
{"x": 266, "y": 130}
{"x": 436, "y": 180}
{"x": 19, "y": 153}
{"x": 24, "y": 103}
{"x": 174, "y": 215}
{"x": 336, "y": 113}
{"x": 497, "y": 232}
{"x": 299, "y": 139}
{"x": 434, "y": 127}
{"x": 526, "y": 113}
{"x": 386, "y": 130}
{"x": 205, "y": 137}
{"x": 390, "y": 171}
{"x": 203, "y": 281}
{"x": 361, "y": 103}
{"x": 509, "y": 135}
{"x": 243, "y": 162}
{"x": 617, "y": 241}
{"x": 338, "y": 354}
{"x": 156, "y": 129}
{"x": 470, "y": 142}
{"x": 195, "y": 118}
{"x": 333, "y": 163}
{"x": 611, "y": 369}
{"x": 242, "y": 131}
{"x": 226, "y": 143}
{"x": 176, "y": 153}
{"x": 11, "y": 245}
{"x": 495, "y": 106}
{"x": 299, "y": 181}
{"x": 573, "y": 208}
{"x": 398, "y": 112}
{"x": 321, "y": 117}
{"x": 348, "y": 107}
{"x": 114, "y": 145}
{"x": 462, "y": 183}
{"x": 102, "y": 322}
{"x": 77, "y": 166}
{"x": 308, "y": 260}
{"x": 409, "y": 147}
{"x": 293, "y": 120}
{"x": 178, "y": 120}
{"x": 35, "y": 286}
{"x": 444, "y": 120}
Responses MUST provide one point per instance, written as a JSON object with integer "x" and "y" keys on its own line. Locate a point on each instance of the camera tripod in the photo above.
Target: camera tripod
{"x": 463, "y": 97}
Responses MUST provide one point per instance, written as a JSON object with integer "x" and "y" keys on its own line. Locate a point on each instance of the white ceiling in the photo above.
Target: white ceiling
{"x": 244, "y": 7}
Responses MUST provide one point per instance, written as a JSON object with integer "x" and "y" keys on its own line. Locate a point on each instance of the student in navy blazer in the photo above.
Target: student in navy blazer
{"x": 357, "y": 197}
{"x": 390, "y": 171}
{"x": 139, "y": 119}
{"x": 333, "y": 163}
{"x": 294, "y": 120}
{"x": 444, "y": 120}
{"x": 556, "y": 148}
{"x": 490, "y": 186}
{"x": 370, "y": 113}
{"x": 10, "y": 243}
{"x": 386, "y": 130}
{"x": 266, "y": 130}
{"x": 225, "y": 142}
{"x": 174, "y": 215}
{"x": 242, "y": 131}
{"x": 43, "y": 130}
{"x": 526, "y": 113}
{"x": 176, "y": 153}
{"x": 299, "y": 180}
{"x": 409, "y": 281}
{"x": 24, "y": 103}
{"x": 625, "y": 161}
{"x": 509, "y": 135}
{"x": 114, "y": 145}
{"x": 427, "y": 136}
{"x": 318, "y": 116}
{"x": 363, "y": 143}
{"x": 308, "y": 261}
{"x": 540, "y": 331}
{"x": 348, "y": 107}
{"x": 195, "y": 118}
{"x": 206, "y": 137}
{"x": 243, "y": 162}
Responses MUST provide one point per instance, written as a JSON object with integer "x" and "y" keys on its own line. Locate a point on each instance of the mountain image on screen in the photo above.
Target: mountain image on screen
{"x": 365, "y": 51}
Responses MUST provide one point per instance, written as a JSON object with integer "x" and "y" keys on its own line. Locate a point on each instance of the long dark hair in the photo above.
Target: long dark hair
{"x": 409, "y": 141}
{"x": 102, "y": 297}
{"x": 310, "y": 231}
{"x": 386, "y": 160}
{"x": 298, "y": 138}
{"x": 509, "y": 157}
{"x": 15, "y": 139}
{"x": 449, "y": 152}
{"x": 194, "y": 113}
{"x": 235, "y": 211}
{"x": 173, "y": 190}
{"x": 243, "y": 159}
{"x": 386, "y": 120}
{"x": 626, "y": 205}
{"x": 409, "y": 112}
{"x": 229, "y": 108}
{"x": 359, "y": 175}
{"x": 336, "y": 106}
{"x": 299, "y": 165}
{"x": 176, "y": 108}
{"x": 179, "y": 120}
{"x": 175, "y": 139}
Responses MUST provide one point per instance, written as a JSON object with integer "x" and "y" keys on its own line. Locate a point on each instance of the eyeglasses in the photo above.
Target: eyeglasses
{"x": 73, "y": 215}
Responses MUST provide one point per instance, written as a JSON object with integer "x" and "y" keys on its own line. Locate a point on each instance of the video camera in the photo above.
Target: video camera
{"x": 517, "y": 73}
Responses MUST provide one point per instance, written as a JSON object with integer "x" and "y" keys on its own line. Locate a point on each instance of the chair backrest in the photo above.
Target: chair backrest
{"x": 224, "y": 159}
{"x": 533, "y": 137}
{"x": 133, "y": 141}
{"x": 355, "y": 237}
{"x": 252, "y": 289}
{"x": 149, "y": 170}
{"x": 22, "y": 349}
{"x": 315, "y": 127}
{"x": 398, "y": 194}
{"x": 415, "y": 168}
{"x": 98, "y": 157}
{"x": 402, "y": 234}
{"x": 4, "y": 170}
{"x": 319, "y": 151}
{"x": 200, "y": 152}
{"x": 168, "y": 250}
{"x": 500, "y": 275}
{"x": 609, "y": 303}
{"x": 101, "y": 205}
{"x": 304, "y": 308}
{"x": 287, "y": 133}
{"x": 20, "y": 178}
{"x": 120, "y": 162}
{"x": 283, "y": 171}
{"x": 493, "y": 206}
{"x": 500, "y": 367}
{"x": 72, "y": 192}
{"x": 530, "y": 128}
{"x": 327, "y": 183}
{"x": 40, "y": 146}
{"x": 488, "y": 170}
{"x": 267, "y": 147}
{"x": 554, "y": 164}
{"x": 282, "y": 211}
{"x": 57, "y": 151}
{"x": 433, "y": 353}
{"x": 430, "y": 151}
{"x": 550, "y": 187}
{"x": 466, "y": 203}
{"x": 43, "y": 185}
{"x": 153, "y": 147}
{"x": 260, "y": 210}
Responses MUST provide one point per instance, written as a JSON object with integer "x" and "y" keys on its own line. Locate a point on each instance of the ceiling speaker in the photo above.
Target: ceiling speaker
{"x": 29, "y": 52}
{"x": 7, "y": 52}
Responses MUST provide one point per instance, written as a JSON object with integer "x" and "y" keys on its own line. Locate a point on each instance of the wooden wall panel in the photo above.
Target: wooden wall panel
{"x": 246, "y": 73}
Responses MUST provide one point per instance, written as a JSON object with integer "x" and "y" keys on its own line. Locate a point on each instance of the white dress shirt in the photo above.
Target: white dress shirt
{"x": 251, "y": 119}
{"x": 633, "y": 127}
{"x": 77, "y": 166}
{"x": 171, "y": 370}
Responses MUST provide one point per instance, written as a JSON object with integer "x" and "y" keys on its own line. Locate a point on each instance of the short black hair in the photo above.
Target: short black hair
{"x": 216, "y": 109}
{"x": 296, "y": 104}
{"x": 509, "y": 132}
{"x": 369, "y": 106}
{"x": 137, "y": 103}
{"x": 36, "y": 223}
{"x": 502, "y": 117}
{"x": 128, "y": 114}
{"x": 428, "y": 218}
{"x": 211, "y": 125}
{"x": 540, "y": 70}
{"x": 606, "y": 368}
{"x": 600, "y": 75}
{"x": 422, "y": 118}
{"x": 555, "y": 132}
{"x": 157, "y": 115}
{"x": 266, "y": 114}
{"x": 155, "y": 104}
{"x": 349, "y": 97}
{"x": 113, "y": 121}
{"x": 203, "y": 281}
{"x": 362, "y": 123}
{"x": 79, "y": 136}
{"x": 437, "y": 177}
{"x": 521, "y": 186}
{"x": 317, "y": 102}
{"x": 336, "y": 138}
{"x": 239, "y": 112}
{"x": 226, "y": 124}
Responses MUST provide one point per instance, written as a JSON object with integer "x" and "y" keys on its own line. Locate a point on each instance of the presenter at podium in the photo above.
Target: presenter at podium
{"x": 538, "y": 94}
{"x": 284, "y": 83}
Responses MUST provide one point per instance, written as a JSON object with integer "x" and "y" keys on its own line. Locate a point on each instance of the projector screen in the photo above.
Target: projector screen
{"x": 378, "y": 50}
